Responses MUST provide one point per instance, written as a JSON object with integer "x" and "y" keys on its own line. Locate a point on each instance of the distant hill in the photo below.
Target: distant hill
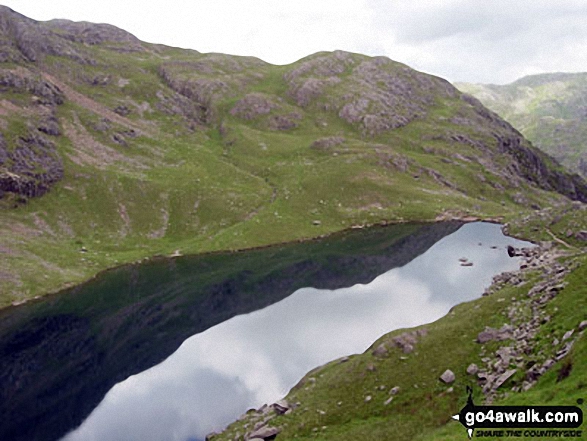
{"x": 113, "y": 150}
{"x": 549, "y": 109}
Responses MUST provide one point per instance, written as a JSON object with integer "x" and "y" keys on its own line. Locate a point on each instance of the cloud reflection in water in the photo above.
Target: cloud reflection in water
{"x": 256, "y": 358}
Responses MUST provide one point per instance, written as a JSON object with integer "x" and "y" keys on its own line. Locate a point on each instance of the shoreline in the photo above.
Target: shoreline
{"x": 440, "y": 218}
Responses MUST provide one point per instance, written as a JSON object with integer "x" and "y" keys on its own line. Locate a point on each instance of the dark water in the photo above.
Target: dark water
{"x": 248, "y": 326}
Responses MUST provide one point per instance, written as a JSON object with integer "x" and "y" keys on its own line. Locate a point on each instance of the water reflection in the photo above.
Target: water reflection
{"x": 256, "y": 358}
{"x": 60, "y": 356}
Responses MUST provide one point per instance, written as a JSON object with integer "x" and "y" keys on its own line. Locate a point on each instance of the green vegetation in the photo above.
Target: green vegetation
{"x": 166, "y": 150}
{"x": 549, "y": 109}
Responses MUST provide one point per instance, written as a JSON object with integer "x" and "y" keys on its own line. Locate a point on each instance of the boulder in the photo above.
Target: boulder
{"x": 380, "y": 350}
{"x": 503, "y": 378}
{"x": 472, "y": 369}
{"x": 281, "y": 407}
{"x": 568, "y": 334}
{"x": 448, "y": 377}
{"x": 263, "y": 433}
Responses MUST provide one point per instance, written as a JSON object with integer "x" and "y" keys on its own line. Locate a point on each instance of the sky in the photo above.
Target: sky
{"x": 479, "y": 41}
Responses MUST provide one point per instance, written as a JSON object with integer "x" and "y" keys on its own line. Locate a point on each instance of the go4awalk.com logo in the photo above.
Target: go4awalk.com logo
{"x": 520, "y": 421}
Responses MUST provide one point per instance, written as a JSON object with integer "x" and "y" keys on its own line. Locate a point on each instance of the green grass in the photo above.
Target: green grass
{"x": 232, "y": 183}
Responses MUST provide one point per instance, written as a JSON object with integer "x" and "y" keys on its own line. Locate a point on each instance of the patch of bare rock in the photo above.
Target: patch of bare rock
{"x": 518, "y": 352}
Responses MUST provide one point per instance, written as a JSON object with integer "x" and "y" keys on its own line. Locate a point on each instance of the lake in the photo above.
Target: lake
{"x": 172, "y": 349}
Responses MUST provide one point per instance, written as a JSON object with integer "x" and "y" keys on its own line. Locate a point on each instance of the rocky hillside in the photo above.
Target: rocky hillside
{"x": 113, "y": 150}
{"x": 549, "y": 109}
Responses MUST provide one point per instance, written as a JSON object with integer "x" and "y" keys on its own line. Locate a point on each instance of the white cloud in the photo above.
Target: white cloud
{"x": 461, "y": 40}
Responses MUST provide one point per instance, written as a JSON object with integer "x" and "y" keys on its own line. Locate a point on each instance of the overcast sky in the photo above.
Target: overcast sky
{"x": 487, "y": 41}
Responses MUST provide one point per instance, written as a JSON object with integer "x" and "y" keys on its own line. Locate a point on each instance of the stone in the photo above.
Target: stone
{"x": 488, "y": 335}
{"x": 472, "y": 369}
{"x": 448, "y": 377}
{"x": 582, "y": 325}
{"x": 394, "y": 390}
{"x": 281, "y": 407}
{"x": 568, "y": 334}
{"x": 503, "y": 378}
{"x": 380, "y": 350}
{"x": 264, "y": 433}
{"x": 389, "y": 400}
{"x": 407, "y": 348}
{"x": 368, "y": 398}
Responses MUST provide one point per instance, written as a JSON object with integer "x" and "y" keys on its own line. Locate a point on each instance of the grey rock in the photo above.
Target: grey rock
{"x": 281, "y": 406}
{"x": 380, "y": 350}
{"x": 503, "y": 378}
{"x": 448, "y": 377}
{"x": 394, "y": 390}
{"x": 472, "y": 369}
{"x": 389, "y": 400}
{"x": 568, "y": 334}
{"x": 582, "y": 325}
{"x": 264, "y": 433}
{"x": 408, "y": 348}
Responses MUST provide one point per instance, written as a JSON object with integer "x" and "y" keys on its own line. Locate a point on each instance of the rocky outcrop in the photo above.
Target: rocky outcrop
{"x": 375, "y": 94}
{"x": 270, "y": 111}
{"x": 540, "y": 169}
{"x": 96, "y": 34}
{"x": 31, "y": 167}
{"x": 24, "y": 39}
{"x": 24, "y": 81}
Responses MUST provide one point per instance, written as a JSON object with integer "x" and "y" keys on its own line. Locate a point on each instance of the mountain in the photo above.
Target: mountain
{"x": 113, "y": 150}
{"x": 549, "y": 109}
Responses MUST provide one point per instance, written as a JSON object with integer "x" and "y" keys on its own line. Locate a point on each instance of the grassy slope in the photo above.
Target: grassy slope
{"x": 231, "y": 183}
{"x": 548, "y": 109}
{"x": 332, "y": 397}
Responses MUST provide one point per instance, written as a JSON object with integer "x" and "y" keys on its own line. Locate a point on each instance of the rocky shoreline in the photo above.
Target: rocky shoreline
{"x": 526, "y": 315}
{"x": 517, "y": 350}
